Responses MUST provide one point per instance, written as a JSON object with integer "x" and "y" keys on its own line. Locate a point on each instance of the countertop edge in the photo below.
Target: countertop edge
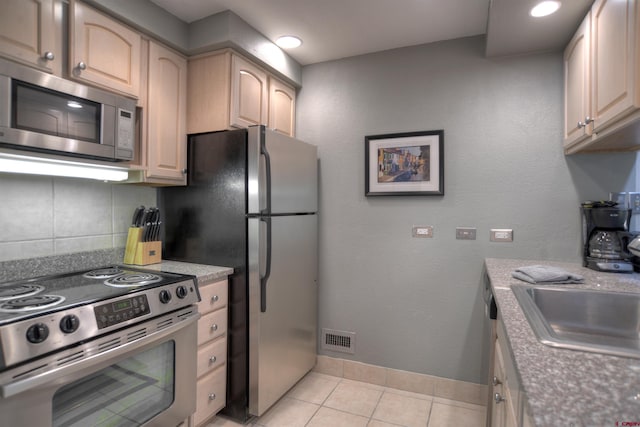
{"x": 204, "y": 273}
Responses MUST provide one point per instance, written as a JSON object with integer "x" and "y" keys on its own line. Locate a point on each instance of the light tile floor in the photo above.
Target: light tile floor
{"x": 320, "y": 400}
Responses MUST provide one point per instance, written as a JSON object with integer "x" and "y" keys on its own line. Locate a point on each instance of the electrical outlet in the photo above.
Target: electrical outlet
{"x": 634, "y": 202}
{"x": 422, "y": 231}
{"x": 465, "y": 233}
{"x": 501, "y": 235}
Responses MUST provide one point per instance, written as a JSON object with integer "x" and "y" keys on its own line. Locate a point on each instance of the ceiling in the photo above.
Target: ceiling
{"x": 333, "y": 29}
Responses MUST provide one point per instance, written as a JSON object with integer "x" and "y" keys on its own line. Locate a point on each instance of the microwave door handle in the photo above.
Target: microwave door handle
{"x": 265, "y": 278}
{"x": 91, "y": 363}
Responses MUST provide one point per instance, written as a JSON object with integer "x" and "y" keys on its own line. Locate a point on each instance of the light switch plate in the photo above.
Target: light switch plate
{"x": 501, "y": 235}
{"x": 422, "y": 231}
{"x": 465, "y": 233}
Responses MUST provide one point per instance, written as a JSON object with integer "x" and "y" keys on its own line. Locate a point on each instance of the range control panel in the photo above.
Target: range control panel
{"x": 121, "y": 310}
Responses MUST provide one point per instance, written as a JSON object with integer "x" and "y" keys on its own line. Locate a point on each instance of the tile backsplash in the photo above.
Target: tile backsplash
{"x": 42, "y": 216}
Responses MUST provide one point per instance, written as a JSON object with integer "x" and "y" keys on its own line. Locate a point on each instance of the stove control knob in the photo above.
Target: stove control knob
{"x": 181, "y": 292}
{"x": 37, "y": 333}
{"x": 165, "y": 296}
{"x": 69, "y": 323}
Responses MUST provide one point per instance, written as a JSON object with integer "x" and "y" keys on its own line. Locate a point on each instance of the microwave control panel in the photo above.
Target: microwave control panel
{"x": 126, "y": 131}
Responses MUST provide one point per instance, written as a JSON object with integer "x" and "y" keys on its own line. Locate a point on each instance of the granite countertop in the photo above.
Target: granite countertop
{"x": 204, "y": 273}
{"x": 568, "y": 387}
{"x": 28, "y": 268}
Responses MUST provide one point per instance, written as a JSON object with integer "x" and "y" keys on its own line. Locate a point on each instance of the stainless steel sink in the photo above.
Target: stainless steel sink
{"x": 595, "y": 321}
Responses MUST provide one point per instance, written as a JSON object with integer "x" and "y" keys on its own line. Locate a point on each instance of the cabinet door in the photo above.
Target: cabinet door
{"x": 208, "y": 87}
{"x": 28, "y": 33}
{"x": 167, "y": 106}
{"x": 210, "y": 395}
{"x": 498, "y": 408}
{"x": 577, "y": 96}
{"x": 614, "y": 71}
{"x": 282, "y": 107}
{"x": 102, "y": 51}
{"x": 248, "y": 94}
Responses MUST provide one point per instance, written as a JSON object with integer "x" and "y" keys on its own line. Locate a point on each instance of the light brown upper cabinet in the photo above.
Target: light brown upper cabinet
{"x": 249, "y": 93}
{"x": 162, "y": 159}
{"x": 167, "y": 114}
{"x": 282, "y": 107}
{"x": 612, "y": 116}
{"x": 227, "y": 91}
{"x": 102, "y": 51}
{"x": 29, "y": 33}
{"x": 577, "y": 122}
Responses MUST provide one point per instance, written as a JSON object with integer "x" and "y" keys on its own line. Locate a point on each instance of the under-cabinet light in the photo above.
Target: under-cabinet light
{"x": 13, "y": 163}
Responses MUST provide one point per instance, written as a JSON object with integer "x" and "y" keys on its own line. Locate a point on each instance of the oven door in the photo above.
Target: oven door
{"x": 144, "y": 375}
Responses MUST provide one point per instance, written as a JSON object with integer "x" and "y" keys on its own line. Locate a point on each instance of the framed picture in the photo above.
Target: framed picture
{"x": 405, "y": 164}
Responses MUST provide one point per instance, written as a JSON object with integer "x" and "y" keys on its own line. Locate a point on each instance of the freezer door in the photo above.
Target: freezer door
{"x": 282, "y": 173}
{"x": 282, "y": 309}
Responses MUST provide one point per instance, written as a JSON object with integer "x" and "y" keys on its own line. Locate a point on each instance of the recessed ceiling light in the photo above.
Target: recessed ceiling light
{"x": 544, "y": 8}
{"x": 288, "y": 42}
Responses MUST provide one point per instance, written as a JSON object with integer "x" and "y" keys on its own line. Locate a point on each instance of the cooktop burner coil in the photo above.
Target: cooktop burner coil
{"x": 35, "y": 302}
{"x": 103, "y": 273}
{"x": 132, "y": 279}
{"x": 19, "y": 291}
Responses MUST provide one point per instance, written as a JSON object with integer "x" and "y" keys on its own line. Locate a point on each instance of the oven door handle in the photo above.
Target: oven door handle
{"x": 97, "y": 361}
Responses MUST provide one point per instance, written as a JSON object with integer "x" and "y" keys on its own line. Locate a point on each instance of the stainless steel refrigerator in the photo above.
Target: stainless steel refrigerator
{"x": 251, "y": 204}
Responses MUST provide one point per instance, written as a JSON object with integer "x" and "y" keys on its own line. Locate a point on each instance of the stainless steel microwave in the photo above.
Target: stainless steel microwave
{"x": 42, "y": 112}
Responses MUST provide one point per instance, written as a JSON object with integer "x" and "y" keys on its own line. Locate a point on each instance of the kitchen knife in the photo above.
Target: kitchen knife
{"x": 137, "y": 216}
{"x": 146, "y": 224}
{"x": 155, "y": 233}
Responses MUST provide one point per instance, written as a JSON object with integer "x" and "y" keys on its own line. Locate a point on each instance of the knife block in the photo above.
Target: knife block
{"x": 148, "y": 253}
{"x": 141, "y": 253}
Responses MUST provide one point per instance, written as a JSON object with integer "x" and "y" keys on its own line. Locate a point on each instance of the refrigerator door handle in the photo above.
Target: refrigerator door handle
{"x": 267, "y": 167}
{"x": 267, "y": 272}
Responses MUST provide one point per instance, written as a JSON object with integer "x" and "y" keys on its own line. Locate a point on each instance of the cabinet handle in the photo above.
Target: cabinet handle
{"x": 213, "y": 359}
{"x": 214, "y": 327}
{"x": 81, "y": 66}
{"x": 498, "y": 398}
{"x": 184, "y": 171}
{"x": 495, "y": 381}
{"x": 214, "y": 298}
{"x": 587, "y": 120}
{"x": 49, "y": 56}
{"x": 212, "y": 396}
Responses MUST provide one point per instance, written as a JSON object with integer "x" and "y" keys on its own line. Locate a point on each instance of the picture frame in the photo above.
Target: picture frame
{"x": 405, "y": 164}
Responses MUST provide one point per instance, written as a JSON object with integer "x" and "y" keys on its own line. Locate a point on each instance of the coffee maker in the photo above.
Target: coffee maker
{"x": 605, "y": 234}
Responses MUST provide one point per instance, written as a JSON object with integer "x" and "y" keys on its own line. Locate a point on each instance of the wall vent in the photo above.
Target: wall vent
{"x": 342, "y": 341}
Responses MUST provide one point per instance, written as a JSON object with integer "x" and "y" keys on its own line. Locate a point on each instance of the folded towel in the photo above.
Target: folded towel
{"x": 545, "y": 274}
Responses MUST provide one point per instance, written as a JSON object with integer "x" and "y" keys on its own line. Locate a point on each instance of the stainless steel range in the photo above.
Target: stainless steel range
{"x": 114, "y": 346}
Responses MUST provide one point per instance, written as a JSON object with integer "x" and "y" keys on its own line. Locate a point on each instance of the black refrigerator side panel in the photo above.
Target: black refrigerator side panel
{"x": 205, "y": 223}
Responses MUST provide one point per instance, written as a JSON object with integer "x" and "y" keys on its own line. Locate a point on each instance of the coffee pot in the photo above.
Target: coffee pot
{"x": 606, "y": 237}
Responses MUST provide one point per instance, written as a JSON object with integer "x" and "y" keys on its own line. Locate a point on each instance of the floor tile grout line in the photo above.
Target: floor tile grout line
{"x": 376, "y": 406}
{"x": 431, "y": 399}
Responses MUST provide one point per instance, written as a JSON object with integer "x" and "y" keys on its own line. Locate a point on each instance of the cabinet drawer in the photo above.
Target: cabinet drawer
{"x": 214, "y": 296}
{"x": 211, "y": 326}
{"x": 211, "y": 395}
{"x": 211, "y": 356}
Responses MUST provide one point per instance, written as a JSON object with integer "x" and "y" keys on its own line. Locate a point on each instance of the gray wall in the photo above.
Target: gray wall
{"x": 416, "y": 304}
{"x": 42, "y": 216}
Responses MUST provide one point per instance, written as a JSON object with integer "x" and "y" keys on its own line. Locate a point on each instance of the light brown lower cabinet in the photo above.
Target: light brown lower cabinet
{"x": 211, "y": 387}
